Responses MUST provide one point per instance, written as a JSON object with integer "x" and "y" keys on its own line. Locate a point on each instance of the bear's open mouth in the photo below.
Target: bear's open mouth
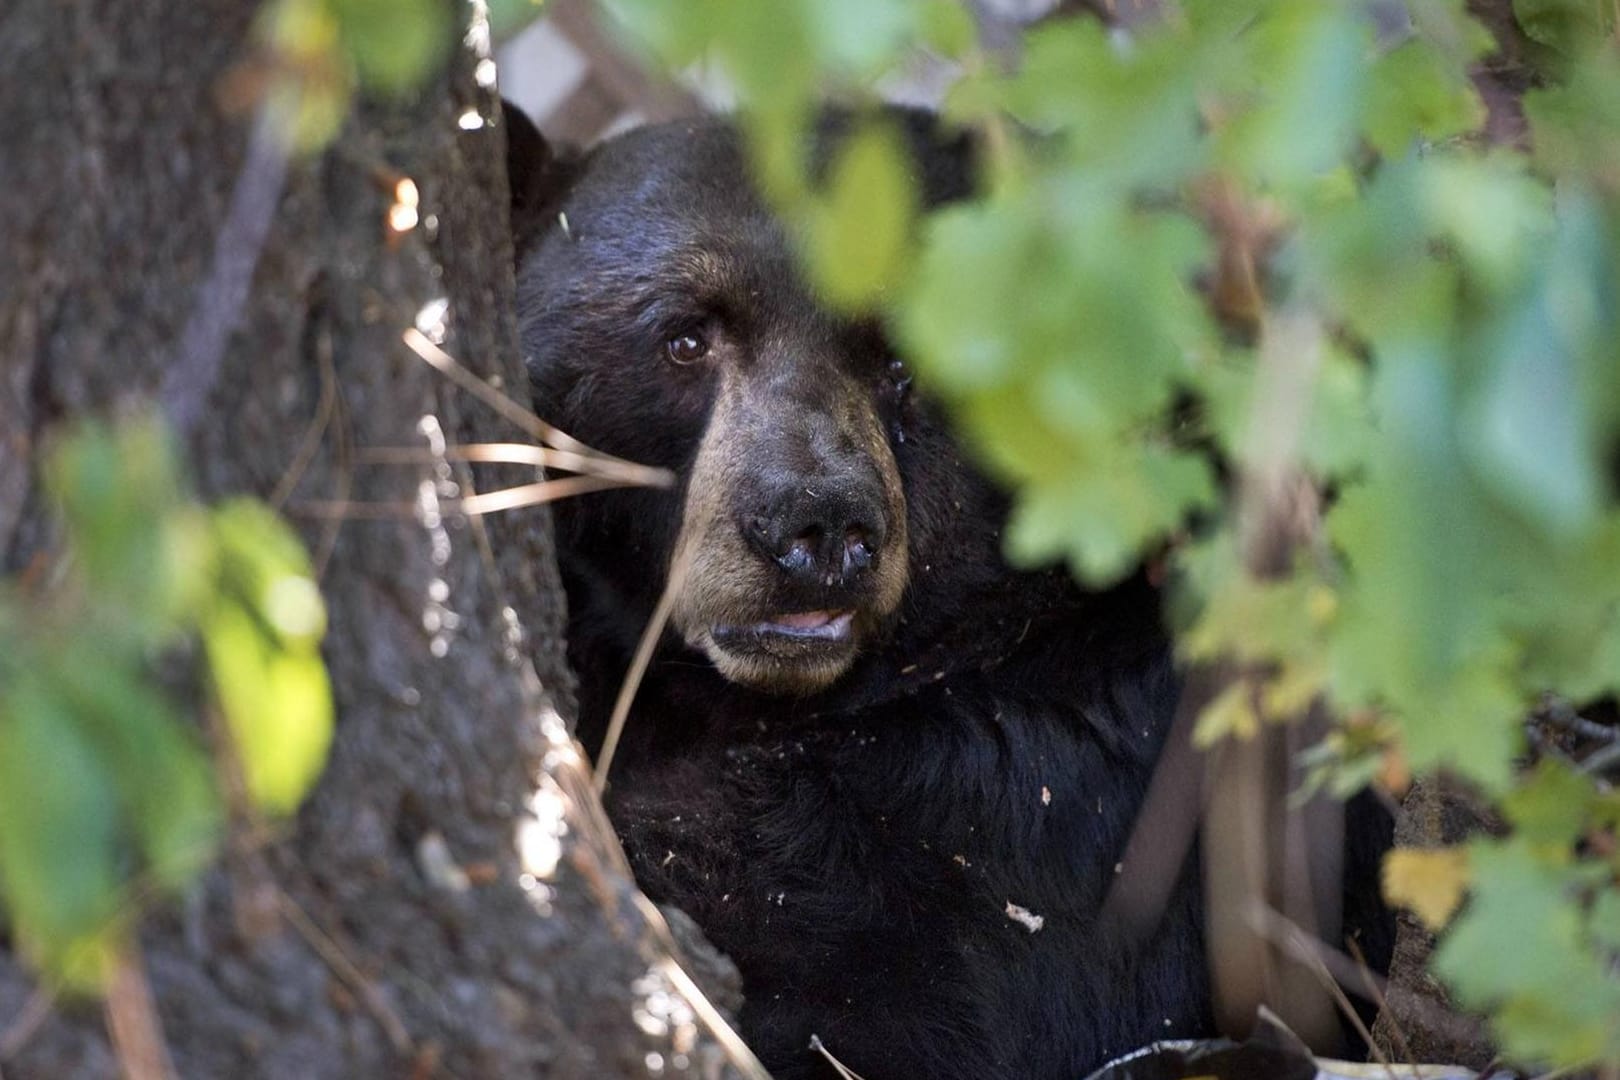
{"x": 832, "y": 627}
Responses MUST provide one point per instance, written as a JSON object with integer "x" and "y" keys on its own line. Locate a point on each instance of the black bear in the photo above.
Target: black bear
{"x": 887, "y": 774}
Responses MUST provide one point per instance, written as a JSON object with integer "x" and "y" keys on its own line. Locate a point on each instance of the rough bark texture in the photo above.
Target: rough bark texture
{"x": 1420, "y": 1022}
{"x": 116, "y": 172}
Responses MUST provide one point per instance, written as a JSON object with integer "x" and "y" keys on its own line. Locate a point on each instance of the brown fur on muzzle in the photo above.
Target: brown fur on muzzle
{"x": 728, "y": 582}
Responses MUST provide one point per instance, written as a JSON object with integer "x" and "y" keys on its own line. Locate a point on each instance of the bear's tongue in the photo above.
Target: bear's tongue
{"x": 806, "y": 620}
{"x": 822, "y": 625}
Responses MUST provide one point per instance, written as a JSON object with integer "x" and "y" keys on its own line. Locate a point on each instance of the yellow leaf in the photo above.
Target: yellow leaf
{"x": 1230, "y": 714}
{"x": 1291, "y": 690}
{"x": 1429, "y": 881}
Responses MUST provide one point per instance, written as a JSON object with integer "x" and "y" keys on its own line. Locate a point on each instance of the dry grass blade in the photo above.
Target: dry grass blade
{"x": 543, "y": 491}
{"x": 554, "y": 437}
{"x": 638, "y": 668}
{"x": 730, "y": 1042}
{"x": 1375, "y": 994}
{"x": 443, "y": 362}
{"x": 1313, "y": 954}
{"x": 595, "y": 836}
{"x": 843, "y": 1070}
{"x": 487, "y": 502}
{"x": 523, "y": 454}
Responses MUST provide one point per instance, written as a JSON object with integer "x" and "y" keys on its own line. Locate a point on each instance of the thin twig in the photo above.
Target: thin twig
{"x": 521, "y": 454}
{"x": 1343, "y": 968}
{"x": 259, "y": 183}
{"x": 313, "y": 434}
{"x": 638, "y": 668}
{"x": 724, "y": 1034}
{"x": 342, "y": 475}
{"x": 844, "y": 1071}
{"x": 34, "y": 1013}
{"x": 541, "y": 431}
{"x": 593, "y": 834}
{"x": 1601, "y": 760}
{"x": 487, "y": 502}
{"x": 1561, "y": 714}
{"x": 443, "y": 362}
{"x": 1307, "y": 949}
{"x": 1378, "y": 997}
{"x": 132, "y": 1020}
{"x": 347, "y": 970}
{"x": 543, "y": 491}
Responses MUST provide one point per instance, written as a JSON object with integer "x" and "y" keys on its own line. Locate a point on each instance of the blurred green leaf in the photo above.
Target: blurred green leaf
{"x": 1549, "y": 808}
{"x": 312, "y": 82}
{"x": 509, "y": 17}
{"x": 58, "y": 836}
{"x": 1303, "y": 71}
{"x": 1463, "y": 403}
{"x": 262, "y": 638}
{"x": 278, "y": 705}
{"x": 164, "y": 780}
{"x": 106, "y": 794}
{"x": 395, "y": 44}
{"x": 1570, "y": 27}
{"x": 1419, "y": 93}
{"x": 1552, "y": 999}
{"x": 115, "y": 490}
{"x": 859, "y": 238}
{"x": 1573, "y": 123}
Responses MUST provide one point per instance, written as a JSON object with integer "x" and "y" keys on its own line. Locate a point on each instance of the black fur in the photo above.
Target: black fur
{"x": 854, "y": 852}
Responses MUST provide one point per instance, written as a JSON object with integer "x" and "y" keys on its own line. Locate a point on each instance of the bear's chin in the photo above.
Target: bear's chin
{"x": 801, "y": 672}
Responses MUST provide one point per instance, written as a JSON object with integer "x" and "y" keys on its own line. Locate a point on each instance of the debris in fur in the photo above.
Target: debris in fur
{"x": 1025, "y": 917}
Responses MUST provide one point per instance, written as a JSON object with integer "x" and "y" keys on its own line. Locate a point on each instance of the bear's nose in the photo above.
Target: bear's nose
{"x": 820, "y": 534}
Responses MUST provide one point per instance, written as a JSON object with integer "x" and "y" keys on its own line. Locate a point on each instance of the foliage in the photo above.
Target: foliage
{"x": 319, "y": 51}
{"x": 106, "y": 794}
{"x": 1255, "y": 247}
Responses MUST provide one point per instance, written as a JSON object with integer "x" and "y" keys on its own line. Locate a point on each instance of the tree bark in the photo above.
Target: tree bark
{"x": 387, "y": 930}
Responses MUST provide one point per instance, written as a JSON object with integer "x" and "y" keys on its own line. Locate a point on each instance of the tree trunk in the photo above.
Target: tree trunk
{"x": 387, "y": 931}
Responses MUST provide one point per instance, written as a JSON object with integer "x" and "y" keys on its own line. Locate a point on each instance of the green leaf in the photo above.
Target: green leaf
{"x": 946, "y": 27}
{"x": 1572, "y": 124}
{"x": 1603, "y": 923}
{"x": 262, "y": 639}
{"x": 1535, "y": 428}
{"x": 395, "y": 44}
{"x": 1553, "y": 1000}
{"x": 58, "y": 837}
{"x": 507, "y": 18}
{"x": 116, "y": 489}
{"x": 1418, "y": 92}
{"x": 1108, "y": 513}
{"x": 1127, "y": 110}
{"x": 859, "y": 235}
{"x": 1519, "y": 899}
{"x": 1303, "y": 72}
{"x": 1570, "y": 27}
{"x": 278, "y": 705}
{"x": 1549, "y": 808}
{"x": 164, "y": 780}
{"x": 1230, "y": 715}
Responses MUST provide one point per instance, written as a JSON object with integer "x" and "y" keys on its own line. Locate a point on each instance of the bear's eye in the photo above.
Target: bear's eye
{"x": 687, "y": 348}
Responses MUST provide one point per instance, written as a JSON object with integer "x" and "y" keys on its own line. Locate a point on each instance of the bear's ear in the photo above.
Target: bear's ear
{"x": 537, "y": 175}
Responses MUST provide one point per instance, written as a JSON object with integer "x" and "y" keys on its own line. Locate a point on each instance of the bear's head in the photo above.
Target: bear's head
{"x": 664, "y": 320}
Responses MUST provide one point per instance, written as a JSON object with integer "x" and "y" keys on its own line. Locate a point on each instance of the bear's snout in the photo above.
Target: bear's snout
{"x": 821, "y": 532}
{"x": 793, "y": 533}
